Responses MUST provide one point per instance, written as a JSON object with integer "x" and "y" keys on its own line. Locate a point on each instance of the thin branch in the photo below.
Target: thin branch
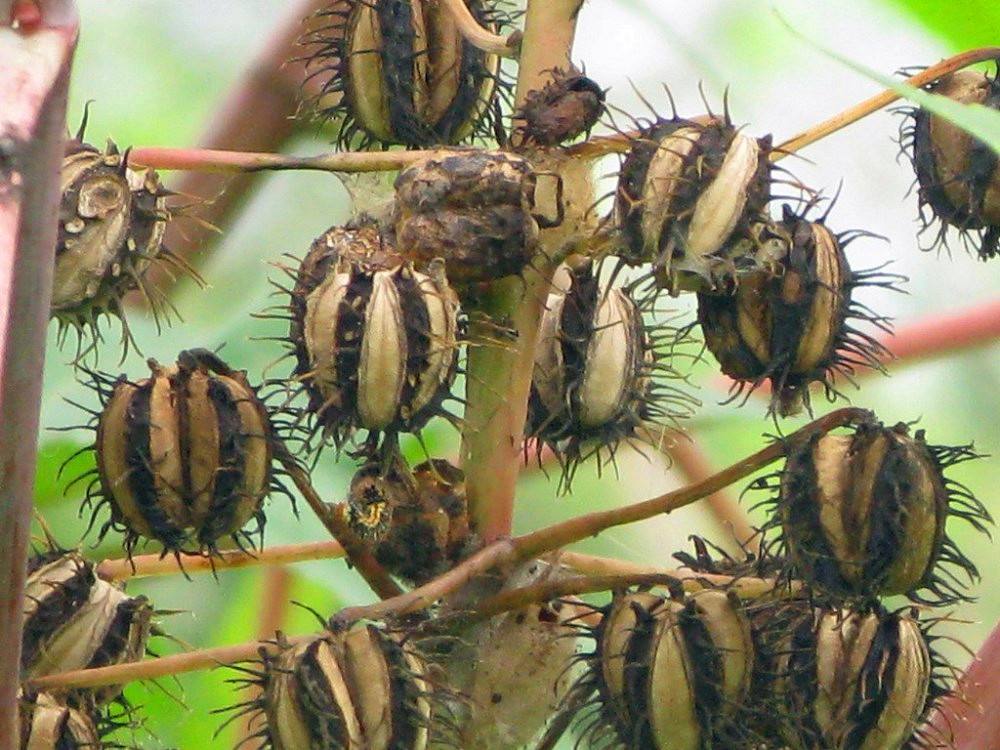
{"x": 146, "y": 566}
{"x": 479, "y": 37}
{"x": 210, "y": 160}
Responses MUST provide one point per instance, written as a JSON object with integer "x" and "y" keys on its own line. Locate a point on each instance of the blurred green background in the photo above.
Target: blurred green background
{"x": 156, "y": 69}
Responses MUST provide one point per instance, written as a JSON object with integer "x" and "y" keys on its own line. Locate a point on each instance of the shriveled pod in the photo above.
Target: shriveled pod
{"x": 74, "y": 620}
{"x": 598, "y": 375}
{"x": 376, "y": 340}
{"x": 794, "y": 323}
{"x": 854, "y": 680}
{"x": 472, "y": 208}
{"x": 690, "y": 194}
{"x": 46, "y": 723}
{"x": 183, "y": 456}
{"x": 958, "y": 174}
{"x": 865, "y": 514}
{"x": 400, "y": 72}
{"x": 567, "y": 106}
{"x": 361, "y": 688}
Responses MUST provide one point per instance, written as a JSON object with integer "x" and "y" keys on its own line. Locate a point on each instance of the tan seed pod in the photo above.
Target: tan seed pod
{"x": 958, "y": 175}
{"x": 74, "y": 620}
{"x": 793, "y": 324}
{"x": 46, "y": 723}
{"x": 184, "y": 455}
{"x": 400, "y": 72}
{"x": 865, "y": 514}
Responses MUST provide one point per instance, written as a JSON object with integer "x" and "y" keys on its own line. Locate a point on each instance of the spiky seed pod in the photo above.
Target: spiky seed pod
{"x": 958, "y": 174}
{"x": 361, "y": 688}
{"x": 471, "y": 208}
{"x": 865, "y": 514}
{"x": 674, "y": 674}
{"x": 567, "y": 106}
{"x": 794, "y": 324}
{"x": 111, "y": 224}
{"x": 400, "y": 72}
{"x": 74, "y": 620}
{"x": 46, "y": 723}
{"x": 184, "y": 455}
{"x": 689, "y": 194}
{"x": 417, "y": 523}
{"x": 594, "y": 378}
{"x": 376, "y": 341}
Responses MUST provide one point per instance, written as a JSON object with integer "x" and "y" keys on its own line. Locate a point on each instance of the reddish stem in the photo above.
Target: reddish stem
{"x": 34, "y": 75}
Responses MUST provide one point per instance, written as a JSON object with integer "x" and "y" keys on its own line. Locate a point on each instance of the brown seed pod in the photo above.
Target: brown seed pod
{"x": 182, "y": 456}
{"x": 46, "y": 723}
{"x": 599, "y": 372}
{"x": 74, "y": 620}
{"x": 793, "y": 324}
{"x": 865, "y": 514}
{"x": 376, "y": 342}
{"x": 567, "y": 106}
{"x": 360, "y": 688}
{"x": 672, "y": 673}
{"x": 417, "y": 523}
{"x": 471, "y": 208}
{"x": 400, "y": 72}
{"x": 958, "y": 174}
{"x": 111, "y": 224}
{"x": 689, "y": 198}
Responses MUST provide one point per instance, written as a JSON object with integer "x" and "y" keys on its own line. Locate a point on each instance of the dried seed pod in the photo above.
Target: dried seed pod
{"x": 376, "y": 342}
{"x": 74, "y": 620}
{"x": 45, "y": 723}
{"x": 111, "y": 224}
{"x": 594, "y": 380}
{"x": 471, "y": 208}
{"x": 865, "y": 514}
{"x": 184, "y": 455}
{"x": 690, "y": 193}
{"x": 793, "y": 324}
{"x": 958, "y": 174}
{"x": 360, "y": 688}
{"x": 853, "y": 680}
{"x": 567, "y": 106}
{"x": 673, "y": 674}
{"x": 417, "y": 523}
{"x": 400, "y": 72}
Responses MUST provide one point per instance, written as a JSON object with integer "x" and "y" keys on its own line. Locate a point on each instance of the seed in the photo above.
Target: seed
{"x": 865, "y": 514}
{"x": 473, "y": 209}
{"x": 567, "y": 106}
{"x": 184, "y": 454}
{"x": 48, "y": 724}
{"x": 959, "y": 175}
{"x": 376, "y": 340}
{"x": 689, "y": 196}
{"x": 792, "y": 324}
{"x": 74, "y": 620}
{"x": 400, "y": 72}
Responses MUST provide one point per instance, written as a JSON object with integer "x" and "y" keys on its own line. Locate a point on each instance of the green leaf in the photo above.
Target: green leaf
{"x": 972, "y": 23}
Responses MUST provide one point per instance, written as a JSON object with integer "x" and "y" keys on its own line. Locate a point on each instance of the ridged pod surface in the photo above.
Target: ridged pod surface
{"x": 74, "y": 620}
{"x": 360, "y": 689}
{"x": 959, "y": 175}
{"x": 689, "y": 196}
{"x": 400, "y": 72}
{"x": 567, "y": 106}
{"x": 46, "y": 723}
{"x": 184, "y": 455}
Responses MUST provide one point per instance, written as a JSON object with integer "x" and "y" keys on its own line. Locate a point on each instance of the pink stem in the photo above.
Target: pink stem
{"x": 36, "y": 46}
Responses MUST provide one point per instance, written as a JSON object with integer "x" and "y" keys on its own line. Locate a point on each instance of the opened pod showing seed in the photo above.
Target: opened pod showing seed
{"x": 360, "y": 688}
{"x": 472, "y": 208}
{"x": 46, "y": 723}
{"x": 376, "y": 341}
{"x": 567, "y": 106}
{"x": 866, "y": 513}
{"x": 958, "y": 174}
{"x": 75, "y": 620}
{"x": 183, "y": 456}
{"x": 794, "y": 322}
{"x": 600, "y": 372}
{"x": 690, "y": 196}
{"x": 671, "y": 673}
{"x": 400, "y": 72}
